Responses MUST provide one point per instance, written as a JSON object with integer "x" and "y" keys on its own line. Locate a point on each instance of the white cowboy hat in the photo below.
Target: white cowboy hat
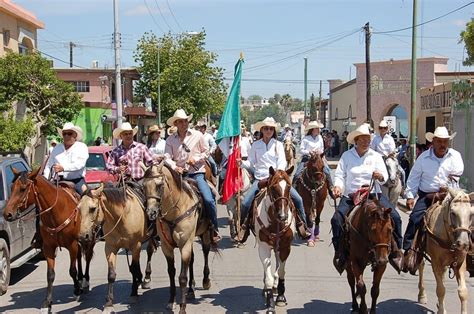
{"x": 286, "y": 125}
{"x": 314, "y": 125}
{"x": 178, "y": 114}
{"x": 171, "y": 130}
{"x": 361, "y": 130}
{"x": 125, "y": 127}
{"x": 213, "y": 126}
{"x": 153, "y": 128}
{"x": 69, "y": 126}
{"x": 268, "y": 121}
{"x": 383, "y": 124}
{"x": 440, "y": 132}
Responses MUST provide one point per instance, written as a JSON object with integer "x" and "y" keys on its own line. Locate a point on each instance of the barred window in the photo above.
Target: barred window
{"x": 81, "y": 86}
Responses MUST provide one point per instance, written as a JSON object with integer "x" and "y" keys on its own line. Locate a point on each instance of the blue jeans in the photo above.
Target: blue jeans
{"x": 253, "y": 190}
{"x": 207, "y": 196}
{"x": 345, "y": 206}
{"x": 213, "y": 165}
{"x": 416, "y": 218}
{"x": 78, "y": 183}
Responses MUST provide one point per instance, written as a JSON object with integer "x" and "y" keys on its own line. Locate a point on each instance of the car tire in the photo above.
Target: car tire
{"x": 4, "y": 267}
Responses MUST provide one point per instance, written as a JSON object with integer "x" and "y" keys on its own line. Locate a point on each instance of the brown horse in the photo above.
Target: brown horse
{"x": 180, "y": 219}
{"x": 370, "y": 237}
{"x": 449, "y": 224}
{"x": 59, "y": 226}
{"x": 289, "y": 149}
{"x": 123, "y": 219}
{"x": 313, "y": 187}
{"x": 274, "y": 221}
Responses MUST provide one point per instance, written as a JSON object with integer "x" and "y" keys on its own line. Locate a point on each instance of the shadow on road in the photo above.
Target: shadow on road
{"x": 17, "y": 274}
{"x": 247, "y": 298}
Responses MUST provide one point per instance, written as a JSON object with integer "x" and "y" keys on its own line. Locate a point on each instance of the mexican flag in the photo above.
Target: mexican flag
{"x": 228, "y": 136}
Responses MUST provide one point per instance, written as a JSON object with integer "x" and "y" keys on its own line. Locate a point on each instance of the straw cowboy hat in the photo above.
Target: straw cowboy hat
{"x": 213, "y": 126}
{"x": 266, "y": 122}
{"x": 153, "y": 128}
{"x": 287, "y": 126}
{"x": 383, "y": 124}
{"x": 171, "y": 130}
{"x": 178, "y": 115}
{"x": 69, "y": 126}
{"x": 314, "y": 125}
{"x": 361, "y": 130}
{"x": 125, "y": 127}
{"x": 440, "y": 132}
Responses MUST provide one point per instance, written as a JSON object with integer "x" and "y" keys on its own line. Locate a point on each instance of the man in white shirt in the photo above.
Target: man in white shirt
{"x": 436, "y": 168}
{"x": 287, "y": 134}
{"x": 211, "y": 144}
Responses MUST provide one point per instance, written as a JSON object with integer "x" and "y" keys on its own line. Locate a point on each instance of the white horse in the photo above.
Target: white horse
{"x": 393, "y": 187}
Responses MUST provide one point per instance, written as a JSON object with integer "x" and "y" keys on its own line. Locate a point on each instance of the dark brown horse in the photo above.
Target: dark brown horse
{"x": 313, "y": 187}
{"x": 370, "y": 235}
{"x": 60, "y": 223}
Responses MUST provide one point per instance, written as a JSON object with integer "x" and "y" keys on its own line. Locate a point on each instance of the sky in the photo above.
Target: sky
{"x": 274, "y": 35}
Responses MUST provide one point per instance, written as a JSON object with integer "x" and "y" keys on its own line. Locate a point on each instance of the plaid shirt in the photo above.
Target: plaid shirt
{"x": 135, "y": 154}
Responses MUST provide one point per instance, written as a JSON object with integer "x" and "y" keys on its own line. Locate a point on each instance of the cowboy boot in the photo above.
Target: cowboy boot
{"x": 301, "y": 228}
{"x": 340, "y": 259}
{"x": 395, "y": 257}
{"x": 244, "y": 230}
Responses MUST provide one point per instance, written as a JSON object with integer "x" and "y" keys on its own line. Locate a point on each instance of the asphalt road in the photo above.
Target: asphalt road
{"x": 312, "y": 283}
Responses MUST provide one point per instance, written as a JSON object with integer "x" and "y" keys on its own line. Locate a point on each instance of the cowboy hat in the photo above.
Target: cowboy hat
{"x": 201, "y": 124}
{"x": 440, "y": 132}
{"x": 213, "y": 126}
{"x": 286, "y": 125}
{"x": 383, "y": 124}
{"x": 361, "y": 130}
{"x": 178, "y": 115}
{"x": 266, "y": 122}
{"x": 171, "y": 130}
{"x": 125, "y": 127}
{"x": 314, "y": 125}
{"x": 153, "y": 128}
{"x": 69, "y": 126}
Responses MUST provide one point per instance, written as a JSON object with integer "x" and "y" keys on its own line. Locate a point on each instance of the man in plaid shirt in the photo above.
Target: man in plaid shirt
{"x": 126, "y": 157}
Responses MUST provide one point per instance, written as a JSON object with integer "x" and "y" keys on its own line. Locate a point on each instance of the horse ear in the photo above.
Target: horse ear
{"x": 289, "y": 171}
{"x": 272, "y": 171}
{"x": 15, "y": 172}
{"x": 33, "y": 174}
{"x": 98, "y": 191}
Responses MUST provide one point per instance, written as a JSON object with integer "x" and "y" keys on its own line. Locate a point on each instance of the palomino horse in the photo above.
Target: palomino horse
{"x": 313, "y": 187}
{"x": 289, "y": 149}
{"x": 274, "y": 222}
{"x": 370, "y": 237}
{"x": 393, "y": 187}
{"x": 59, "y": 225}
{"x": 449, "y": 225}
{"x": 180, "y": 219}
{"x": 124, "y": 222}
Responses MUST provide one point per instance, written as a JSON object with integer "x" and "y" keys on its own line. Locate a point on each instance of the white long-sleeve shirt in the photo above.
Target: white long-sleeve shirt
{"x": 384, "y": 146}
{"x": 353, "y": 171}
{"x": 429, "y": 172}
{"x": 263, "y": 156}
{"x": 178, "y": 152}
{"x": 158, "y": 148}
{"x": 211, "y": 142}
{"x": 72, "y": 160}
{"x": 310, "y": 144}
{"x": 245, "y": 146}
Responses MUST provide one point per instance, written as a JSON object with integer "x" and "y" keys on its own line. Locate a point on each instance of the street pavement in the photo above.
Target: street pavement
{"x": 312, "y": 283}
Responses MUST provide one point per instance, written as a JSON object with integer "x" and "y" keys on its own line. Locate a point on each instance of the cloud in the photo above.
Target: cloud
{"x": 140, "y": 9}
{"x": 459, "y": 22}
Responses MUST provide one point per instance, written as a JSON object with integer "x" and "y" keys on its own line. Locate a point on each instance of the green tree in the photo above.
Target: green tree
{"x": 467, "y": 36}
{"x": 188, "y": 79}
{"x": 255, "y": 98}
{"x": 14, "y": 134}
{"x": 29, "y": 86}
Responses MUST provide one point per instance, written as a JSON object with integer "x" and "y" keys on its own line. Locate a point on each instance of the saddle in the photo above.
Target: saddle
{"x": 70, "y": 188}
{"x": 360, "y": 195}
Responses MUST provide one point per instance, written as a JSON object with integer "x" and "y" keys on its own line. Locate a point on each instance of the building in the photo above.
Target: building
{"x": 254, "y": 104}
{"x": 18, "y": 29}
{"x": 97, "y": 88}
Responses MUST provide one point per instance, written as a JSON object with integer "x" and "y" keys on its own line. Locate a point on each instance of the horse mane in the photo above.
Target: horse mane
{"x": 449, "y": 198}
{"x": 115, "y": 196}
{"x": 181, "y": 184}
{"x": 373, "y": 205}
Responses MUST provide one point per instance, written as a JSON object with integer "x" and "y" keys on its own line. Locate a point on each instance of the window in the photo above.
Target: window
{"x": 81, "y": 86}
{"x": 6, "y": 37}
{"x": 10, "y": 176}
{"x": 22, "y": 49}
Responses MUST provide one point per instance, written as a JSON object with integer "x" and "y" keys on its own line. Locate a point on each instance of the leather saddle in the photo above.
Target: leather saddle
{"x": 70, "y": 188}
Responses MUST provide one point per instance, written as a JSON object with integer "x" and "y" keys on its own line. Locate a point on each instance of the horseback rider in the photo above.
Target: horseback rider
{"x": 384, "y": 144}
{"x": 68, "y": 161}
{"x": 358, "y": 167}
{"x": 265, "y": 153}
{"x": 435, "y": 169}
{"x": 155, "y": 143}
{"x": 313, "y": 142}
{"x": 186, "y": 152}
{"x": 211, "y": 144}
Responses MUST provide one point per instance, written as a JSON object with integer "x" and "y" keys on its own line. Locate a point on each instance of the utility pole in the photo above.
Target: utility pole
{"x": 413, "y": 89}
{"x": 118, "y": 78}
{"x": 71, "y": 45}
{"x": 367, "y": 74}
{"x": 159, "y": 83}
{"x": 320, "y": 110}
{"x": 305, "y": 86}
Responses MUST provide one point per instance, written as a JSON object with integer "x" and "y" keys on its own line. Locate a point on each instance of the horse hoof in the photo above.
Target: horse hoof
{"x": 85, "y": 286}
{"x": 310, "y": 243}
{"x": 206, "y": 285}
{"x": 281, "y": 300}
{"x": 270, "y": 311}
{"x": 77, "y": 297}
{"x": 108, "y": 309}
{"x": 133, "y": 299}
{"x": 190, "y": 295}
{"x": 146, "y": 284}
{"x": 422, "y": 299}
{"x": 45, "y": 310}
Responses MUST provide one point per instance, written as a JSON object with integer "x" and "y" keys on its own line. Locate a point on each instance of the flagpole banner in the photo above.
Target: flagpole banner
{"x": 228, "y": 136}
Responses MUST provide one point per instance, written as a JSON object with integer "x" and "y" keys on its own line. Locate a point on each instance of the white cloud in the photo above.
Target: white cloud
{"x": 459, "y": 22}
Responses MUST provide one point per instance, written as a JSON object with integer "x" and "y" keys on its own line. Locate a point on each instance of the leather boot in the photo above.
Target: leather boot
{"x": 396, "y": 260}
{"x": 37, "y": 241}
{"x": 339, "y": 261}
{"x": 302, "y": 230}
{"x": 244, "y": 232}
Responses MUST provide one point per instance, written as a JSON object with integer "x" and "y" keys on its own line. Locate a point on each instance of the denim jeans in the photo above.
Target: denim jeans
{"x": 207, "y": 196}
{"x": 213, "y": 165}
{"x": 416, "y": 218}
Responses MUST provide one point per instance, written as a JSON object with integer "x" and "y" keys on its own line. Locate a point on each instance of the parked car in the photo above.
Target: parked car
{"x": 96, "y": 172}
{"x": 15, "y": 236}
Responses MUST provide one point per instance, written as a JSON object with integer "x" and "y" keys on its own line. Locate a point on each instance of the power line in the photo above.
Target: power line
{"x": 149, "y": 11}
{"x": 426, "y": 22}
{"x": 55, "y": 58}
{"x": 174, "y": 17}
{"x": 164, "y": 20}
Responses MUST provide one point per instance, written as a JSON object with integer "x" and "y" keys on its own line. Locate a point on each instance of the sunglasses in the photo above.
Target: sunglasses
{"x": 383, "y": 127}
{"x": 68, "y": 133}
{"x": 186, "y": 148}
{"x": 267, "y": 128}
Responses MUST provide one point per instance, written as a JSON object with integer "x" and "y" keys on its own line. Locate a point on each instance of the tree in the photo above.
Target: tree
{"x": 15, "y": 135}
{"x": 188, "y": 79}
{"x": 29, "y": 85}
{"x": 255, "y": 98}
{"x": 467, "y": 36}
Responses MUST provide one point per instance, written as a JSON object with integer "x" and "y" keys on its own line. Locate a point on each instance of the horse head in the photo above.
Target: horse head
{"x": 92, "y": 215}
{"x": 461, "y": 217}
{"x": 380, "y": 229}
{"x": 278, "y": 189}
{"x": 22, "y": 194}
{"x": 288, "y": 148}
{"x": 391, "y": 163}
{"x": 315, "y": 165}
{"x": 153, "y": 185}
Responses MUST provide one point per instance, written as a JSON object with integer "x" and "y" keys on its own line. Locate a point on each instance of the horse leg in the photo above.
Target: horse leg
{"x": 317, "y": 220}
{"x": 88, "y": 252}
{"x": 351, "y": 281}
{"x": 361, "y": 288}
{"x": 191, "y": 283}
{"x": 462, "y": 290}
{"x": 171, "y": 275}
{"x": 49, "y": 253}
{"x": 206, "y": 247}
{"x": 150, "y": 249}
{"x": 439, "y": 272}
{"x": 136, "y": 272}
{"x": 422, "y": 299}
{"x": 281, "y": 299}
{"x": 264, "y": 252}
{"x": 111, "y": 256}
{"x": 375, "y": 290}
{"x": 80, "y": 274}
{"x": 73, "y": 255}
{"x": 186, "y": 252}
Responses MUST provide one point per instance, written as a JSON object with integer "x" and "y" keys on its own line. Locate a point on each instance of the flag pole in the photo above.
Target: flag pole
{"x": 239, "y": 192}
